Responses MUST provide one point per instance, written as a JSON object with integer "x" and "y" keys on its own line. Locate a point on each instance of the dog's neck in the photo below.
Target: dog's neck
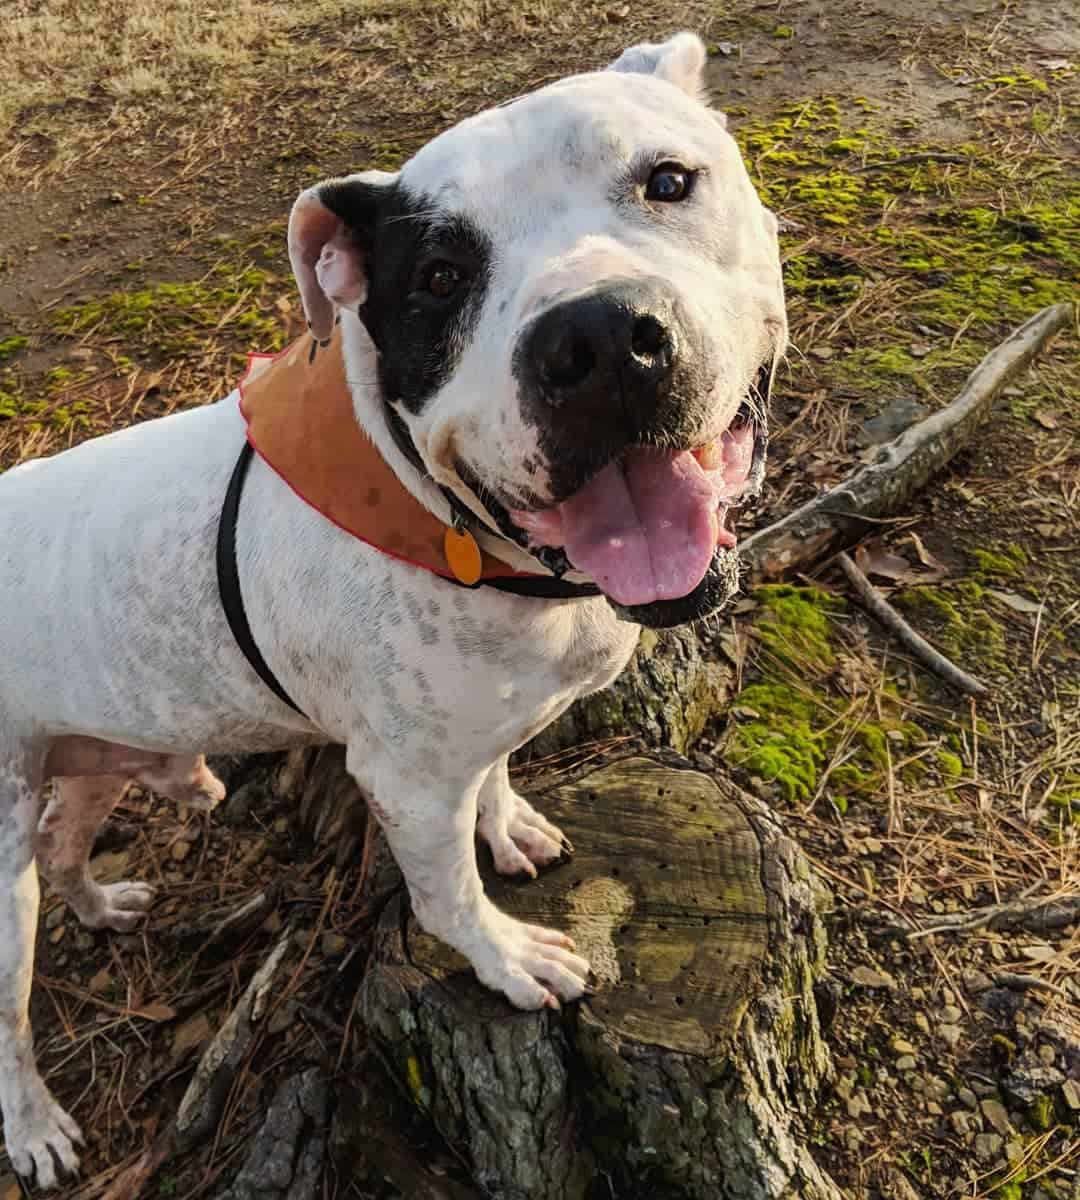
{"x": 361, "y": 372}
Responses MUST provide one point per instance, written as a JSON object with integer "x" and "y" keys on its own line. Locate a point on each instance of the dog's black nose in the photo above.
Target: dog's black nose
{"x": 606, "y": 353}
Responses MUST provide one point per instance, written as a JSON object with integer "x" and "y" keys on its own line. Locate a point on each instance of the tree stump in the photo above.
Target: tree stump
{"x": 688, "y": 1074}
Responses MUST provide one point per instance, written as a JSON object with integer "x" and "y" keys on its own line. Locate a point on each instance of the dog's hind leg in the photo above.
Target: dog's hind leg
{"x": 38, "y": 1133}
{"x": 65, "y": 837}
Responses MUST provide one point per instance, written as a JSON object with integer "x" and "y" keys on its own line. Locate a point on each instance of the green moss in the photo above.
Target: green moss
{"x": 1012, "y": 562}
{"x": 795, "y": 623}
{"x": 951, "y": 766}
{"x": 963, "y": 629}
{"x": 788, "y": 731}
{"x": 11, "y": 346}
{"x": 949, "y": 247}
{"x": 175, "y": 317}
{"x": 783, "y": 31}
{"x": 781, "y": 746}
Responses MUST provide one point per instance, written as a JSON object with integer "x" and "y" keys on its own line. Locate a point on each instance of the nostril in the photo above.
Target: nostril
{"x": 649, "y": 337}
{"x": 569, "y": 362}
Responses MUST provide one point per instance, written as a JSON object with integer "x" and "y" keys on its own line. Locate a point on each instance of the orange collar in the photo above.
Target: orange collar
{"x": 301, "y": 423}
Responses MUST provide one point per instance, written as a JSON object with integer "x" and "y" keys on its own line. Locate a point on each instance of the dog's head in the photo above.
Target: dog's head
{"x": 577, "y": 306}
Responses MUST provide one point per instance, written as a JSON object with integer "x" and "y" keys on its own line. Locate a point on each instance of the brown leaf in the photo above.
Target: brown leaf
{"x": 1045, "y": 419}
{"x": 154, "y": 1012}
{"x": 101, "y": 981}
{"x": 190, "y": 1035}
{"x": 876, "y": 560}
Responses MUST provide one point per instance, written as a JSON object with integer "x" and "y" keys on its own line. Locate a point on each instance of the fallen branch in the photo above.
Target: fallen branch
{"x": 909, "y": 160}
{"x": 1024, "y": 983}
{"x": 1034, "y": 916}
{"x": 838, "y": 517}
{"x": 879, "y": 607}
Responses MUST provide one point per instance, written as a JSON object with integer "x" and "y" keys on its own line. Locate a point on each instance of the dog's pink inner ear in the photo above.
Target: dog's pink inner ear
{"x": 326, "y": 260}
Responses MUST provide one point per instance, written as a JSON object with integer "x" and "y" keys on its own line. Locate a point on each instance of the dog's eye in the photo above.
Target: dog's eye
{"x": 442, "y": 279}
{"x": 669, "y": 183}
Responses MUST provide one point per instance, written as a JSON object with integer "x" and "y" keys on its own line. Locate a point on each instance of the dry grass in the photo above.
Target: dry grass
{"x": 60, "y": 52}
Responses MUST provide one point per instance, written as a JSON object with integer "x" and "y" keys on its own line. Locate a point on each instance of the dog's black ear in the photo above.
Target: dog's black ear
{"x": 331, "y": 231}
{"x": 680, "y": 60}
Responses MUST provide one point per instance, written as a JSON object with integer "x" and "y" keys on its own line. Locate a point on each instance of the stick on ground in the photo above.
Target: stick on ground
{"x": 838, "y": 517}
{"x": 883, "y": 611}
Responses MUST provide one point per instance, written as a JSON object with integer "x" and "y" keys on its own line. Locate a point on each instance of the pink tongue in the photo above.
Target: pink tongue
{"x": 644, "y": 529}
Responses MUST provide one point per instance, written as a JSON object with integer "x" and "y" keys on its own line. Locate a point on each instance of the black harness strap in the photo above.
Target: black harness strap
{"x": 229, "y": 580}
{"x": 540, "y": 587}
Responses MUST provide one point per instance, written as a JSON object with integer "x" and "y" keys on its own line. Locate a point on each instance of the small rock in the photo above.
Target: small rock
{"x": 967, "y": 1097}
{"x": 54, "y": 916}
{"x": 994, "y": 1112}
{"x": 872, "y": 846}
{"x": 906, "y": 1062}
{"x": 1025, "y": 1084}
{"x": 988, "y": 1146}
{"x": 933, "y": 1108}
{"x": 961, "y": 1123}
{"x": 977, "y": 981}
{"x": 334, "y": 944}
{"x": 950, "y": 1035}
{"x": 853, "y": 1139}
{"x": 282, "y": 1017}
{"x": 180, "y": 851}
{"x": 1047, "y": 1055}
{"x": 1070, "y": 1093}
{"x": 857, "y": 1105}
{"x": 892, "y": 421}
{"x": 281, "y": 825}
{"x": 900, "y": 1046}
{"x": 57, "y": 934}
{"x": 822, "y": 352}
{"x": 922, "y": 1022}
{"x": 869, "y": 978}
{"x": 938, "y": 1088}
{"x": 950, "y": 1014}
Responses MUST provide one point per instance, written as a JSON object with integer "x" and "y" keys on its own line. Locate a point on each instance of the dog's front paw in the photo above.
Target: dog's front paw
{"x": 532, "y": 966}
{"x": 40, "y": 1136}
{"x": 519, "y": 836}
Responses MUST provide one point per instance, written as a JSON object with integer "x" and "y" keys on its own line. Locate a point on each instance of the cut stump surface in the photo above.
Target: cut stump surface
{"x": 690, "y": 1073}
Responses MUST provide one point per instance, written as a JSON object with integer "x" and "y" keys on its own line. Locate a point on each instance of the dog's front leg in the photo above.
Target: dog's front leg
{"x": 518, "y": 835}
{"x": 36, "y": 1128}
{"x": 431, "y": 827}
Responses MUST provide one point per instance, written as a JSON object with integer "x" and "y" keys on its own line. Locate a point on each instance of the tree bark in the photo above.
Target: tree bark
{"x": 690, "y": 1071}
{"x": 664, "y": 699}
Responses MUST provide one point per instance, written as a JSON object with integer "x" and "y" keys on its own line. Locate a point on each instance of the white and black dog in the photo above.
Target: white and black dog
{"x": 558, "y": 319}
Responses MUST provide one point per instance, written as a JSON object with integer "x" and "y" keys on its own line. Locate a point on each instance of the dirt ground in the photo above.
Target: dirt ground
{"x": 923, "y": 159}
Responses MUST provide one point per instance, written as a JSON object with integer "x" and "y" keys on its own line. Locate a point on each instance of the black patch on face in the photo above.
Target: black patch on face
{"x": 419, "y": 335}
{"x": 719, "y": 586}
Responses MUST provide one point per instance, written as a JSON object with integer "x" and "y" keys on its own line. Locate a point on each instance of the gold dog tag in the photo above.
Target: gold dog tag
{"x": 462, "y": 556}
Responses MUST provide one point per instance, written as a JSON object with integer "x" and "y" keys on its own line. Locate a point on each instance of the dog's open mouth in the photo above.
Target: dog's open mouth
{"x": 646, "y": 527}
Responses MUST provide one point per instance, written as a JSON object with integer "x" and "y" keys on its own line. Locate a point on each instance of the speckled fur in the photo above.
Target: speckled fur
{"x": 116, "y": 661}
